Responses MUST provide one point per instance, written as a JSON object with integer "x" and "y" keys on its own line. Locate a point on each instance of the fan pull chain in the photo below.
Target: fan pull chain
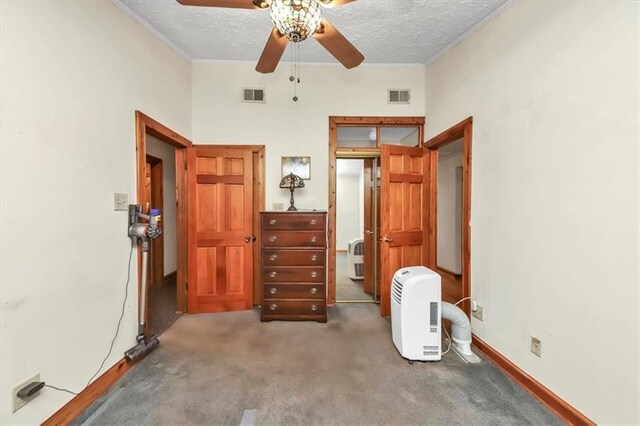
{"x": 295, "y": 69}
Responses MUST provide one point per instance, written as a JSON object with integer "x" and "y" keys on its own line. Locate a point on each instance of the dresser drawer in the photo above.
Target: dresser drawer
{"x": 293, "y": 291}
{"x": 293, "y": 274}
{"x": 293, "y": 239}
{"x": 294, "y": 307}
{"x": 293, "y": 221}
{"x": 293, "y": 257}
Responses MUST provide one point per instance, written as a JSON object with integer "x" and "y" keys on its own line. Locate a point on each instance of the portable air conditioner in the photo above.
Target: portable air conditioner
{"x": 355, "y": 259}
{"x": 415, "y": 313}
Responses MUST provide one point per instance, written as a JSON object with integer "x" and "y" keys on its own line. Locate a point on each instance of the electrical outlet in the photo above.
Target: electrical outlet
{"x": 536, "y": 346}
{"x": 478, "y": 313}
{"x": 278, "y": 206}
{"x": 18, "y": 403}
{"x": 120, "y": 202}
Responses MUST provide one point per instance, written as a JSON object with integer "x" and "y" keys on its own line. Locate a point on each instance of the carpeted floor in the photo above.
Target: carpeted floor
{"x": 210, "y": 368}
{"x": 346, "y": 288}
{"x": 162, "y": 306}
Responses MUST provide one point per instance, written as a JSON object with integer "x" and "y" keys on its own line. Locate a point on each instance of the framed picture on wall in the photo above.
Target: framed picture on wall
{"x": 300, "y": 166}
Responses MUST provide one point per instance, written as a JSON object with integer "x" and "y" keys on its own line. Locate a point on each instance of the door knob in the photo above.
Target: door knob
{"x": 369, "y": 232}
{"x": 387, "y": 239}
{"x": 247, "y": 238}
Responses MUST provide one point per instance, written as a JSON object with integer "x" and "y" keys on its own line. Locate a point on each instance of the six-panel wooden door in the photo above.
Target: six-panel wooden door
{"x": 403, "y": 221}
{"x": 220, "y": 240}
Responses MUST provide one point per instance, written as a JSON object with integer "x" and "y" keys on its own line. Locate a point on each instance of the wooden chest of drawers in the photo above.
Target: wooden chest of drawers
{"x": 294, "y": 251}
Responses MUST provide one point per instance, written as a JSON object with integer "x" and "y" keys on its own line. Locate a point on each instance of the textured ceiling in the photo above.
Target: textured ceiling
{"x": 385, "y": 31}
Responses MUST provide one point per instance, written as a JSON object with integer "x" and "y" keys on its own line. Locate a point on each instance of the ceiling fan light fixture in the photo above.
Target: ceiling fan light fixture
{"x": 262, "y": 4}
{"x": 296, "y": 19}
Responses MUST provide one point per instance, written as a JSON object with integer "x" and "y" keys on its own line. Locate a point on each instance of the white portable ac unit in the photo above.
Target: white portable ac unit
{"x": 415, "y": 313}
{"x": 355, "y": 259}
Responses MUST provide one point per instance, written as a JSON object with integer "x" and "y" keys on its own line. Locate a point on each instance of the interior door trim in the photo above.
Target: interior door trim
{"x": 464, "y": 130}
{"x": 353, "y": 121}
{"x": 146, "y": 125}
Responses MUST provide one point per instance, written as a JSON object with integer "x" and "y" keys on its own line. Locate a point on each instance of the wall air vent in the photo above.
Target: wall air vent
{"x": 399, "y": 96}
{"x": 253, "y": 95}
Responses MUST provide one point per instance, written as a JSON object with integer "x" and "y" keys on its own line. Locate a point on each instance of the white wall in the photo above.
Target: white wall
{"x": 553, "y": 90}
{"x": 167, "y": 153}
{"x": 349, "y": 209}
{"x": 72, "y": 75}
{"x": 449, "y": 235}
{"x": 294, "y": 128}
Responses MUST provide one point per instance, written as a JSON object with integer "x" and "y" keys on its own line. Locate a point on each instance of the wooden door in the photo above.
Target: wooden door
{"x": 403, "y": 220}
{"x": 220, "y": 216}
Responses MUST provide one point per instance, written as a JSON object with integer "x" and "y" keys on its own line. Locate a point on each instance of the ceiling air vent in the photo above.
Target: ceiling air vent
{"x": 253, "y": 95}
{"x": 396, "y": 96}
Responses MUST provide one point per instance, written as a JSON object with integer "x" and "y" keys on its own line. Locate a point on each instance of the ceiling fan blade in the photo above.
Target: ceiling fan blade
{"x": 272, "y": 52}
{"x": 331, "y": 39}
{"x": 234, "y": 4}
{"x": 334, "y": 3}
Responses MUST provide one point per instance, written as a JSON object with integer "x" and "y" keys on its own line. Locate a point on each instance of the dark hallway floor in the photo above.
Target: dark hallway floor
{"x": 215, "y": 368}
{"x": 162, "y": 306}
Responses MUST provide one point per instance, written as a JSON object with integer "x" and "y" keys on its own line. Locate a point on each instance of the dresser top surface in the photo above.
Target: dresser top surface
{"x": 296, "y": 212}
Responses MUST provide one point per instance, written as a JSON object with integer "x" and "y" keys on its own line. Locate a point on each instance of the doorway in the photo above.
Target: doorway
{"x": 161, "y": 181}
{"x": 162, "y": 272}
{"x": 450, "y": 211}
{"x": 361, "y": 140}
{"x": 356, "y": 219}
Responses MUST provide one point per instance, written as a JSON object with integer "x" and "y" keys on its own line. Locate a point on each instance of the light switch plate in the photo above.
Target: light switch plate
{"x": 120, "y": 201}
{"x": 18, "y": 403}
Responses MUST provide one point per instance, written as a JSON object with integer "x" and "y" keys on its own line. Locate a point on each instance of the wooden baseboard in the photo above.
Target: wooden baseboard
{"x": 171, "y": 275}
{"x": 84, "y": 399}
{"x": 448, "y": 272}
{"x": 534, "y": 387}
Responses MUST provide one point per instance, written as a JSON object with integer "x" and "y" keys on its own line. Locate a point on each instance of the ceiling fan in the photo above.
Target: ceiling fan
{"x": 295, "y": 21}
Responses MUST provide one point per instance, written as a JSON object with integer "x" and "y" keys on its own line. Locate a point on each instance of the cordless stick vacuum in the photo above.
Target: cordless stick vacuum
{"x": 143, "y": 233}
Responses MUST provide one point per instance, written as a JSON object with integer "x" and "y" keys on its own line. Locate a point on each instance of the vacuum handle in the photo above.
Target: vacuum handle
{"x": 143, "y": 294}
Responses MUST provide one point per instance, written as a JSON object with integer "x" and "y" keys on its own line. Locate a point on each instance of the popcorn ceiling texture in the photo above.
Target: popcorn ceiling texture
{"x": 385, "y": 31}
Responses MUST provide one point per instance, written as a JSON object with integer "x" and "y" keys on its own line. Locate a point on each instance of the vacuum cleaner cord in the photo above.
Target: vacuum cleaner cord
{"x": 124, "y": 304}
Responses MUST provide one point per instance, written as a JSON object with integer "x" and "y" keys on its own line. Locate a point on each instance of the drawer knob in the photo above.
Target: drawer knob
{"x": 273, "y": 222}
{"x": 273, "y": 257}
{"x": 313, "y": 290}
{"x": 313, "y": 221}
{"x": 314, "y": 308}
{"x": 314, "y": 239}
{"x": 273, "y": 306}
{"x": 273, "y": 274}
{"x": 314, "y": 257}
{"x": 314, "y": 274}
{"x": 273, "y": 290}
{"x": 273, "y": 238}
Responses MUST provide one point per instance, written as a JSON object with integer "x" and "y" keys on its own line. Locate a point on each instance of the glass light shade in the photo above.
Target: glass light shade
{"x": 291, "y": 181}
{"x": 296, "y": 19}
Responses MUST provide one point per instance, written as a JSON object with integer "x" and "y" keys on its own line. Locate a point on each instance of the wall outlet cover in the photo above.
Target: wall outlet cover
{"x": 278, "y": 206}
{"x": 18, "y": 403}
{"x": 479, "y": 313}
{"x": 120, "y": 201}
{"x": 536, "y": 346}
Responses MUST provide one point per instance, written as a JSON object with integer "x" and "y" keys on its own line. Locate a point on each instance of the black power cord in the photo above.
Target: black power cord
{"x": 124, "y": 304}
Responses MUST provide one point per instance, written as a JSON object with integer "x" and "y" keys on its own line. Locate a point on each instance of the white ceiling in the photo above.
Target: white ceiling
{"x": 385, "y": 31}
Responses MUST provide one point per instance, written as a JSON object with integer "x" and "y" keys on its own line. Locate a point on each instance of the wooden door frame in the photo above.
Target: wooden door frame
{"x": 156, "y": 256}
{"x": 461, "y": 130}
{"x": 147, "y": 125}
{"x": 353, "y": 121}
